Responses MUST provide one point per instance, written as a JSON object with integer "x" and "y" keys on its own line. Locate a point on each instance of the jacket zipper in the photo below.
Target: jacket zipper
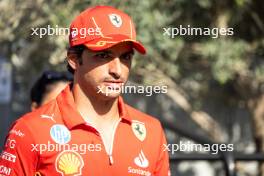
{"x": 110, "y": 152}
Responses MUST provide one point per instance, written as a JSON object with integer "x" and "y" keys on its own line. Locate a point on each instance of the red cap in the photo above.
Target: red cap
{"x": 101, "y": 27}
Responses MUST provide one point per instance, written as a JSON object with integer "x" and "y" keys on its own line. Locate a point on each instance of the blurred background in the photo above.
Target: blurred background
{"x": 215, "y": 85}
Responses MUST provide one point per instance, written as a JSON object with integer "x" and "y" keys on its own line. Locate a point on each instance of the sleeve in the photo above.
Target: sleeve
{"x": 162, "y": 166}
{"x": 17, "y": 157}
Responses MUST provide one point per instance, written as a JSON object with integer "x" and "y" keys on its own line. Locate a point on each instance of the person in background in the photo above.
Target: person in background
{"x": 48, "y": 86}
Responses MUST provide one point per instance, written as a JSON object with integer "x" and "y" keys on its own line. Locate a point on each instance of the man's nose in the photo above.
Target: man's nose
{"x": 115, "y": 67}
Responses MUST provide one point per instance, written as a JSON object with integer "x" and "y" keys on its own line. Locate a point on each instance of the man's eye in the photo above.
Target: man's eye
{"x": 127, "y": 56}
{"x": 103, "y": 55}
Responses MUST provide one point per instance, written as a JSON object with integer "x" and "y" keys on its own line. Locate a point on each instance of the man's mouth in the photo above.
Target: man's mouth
{"x": 114, "y": 84}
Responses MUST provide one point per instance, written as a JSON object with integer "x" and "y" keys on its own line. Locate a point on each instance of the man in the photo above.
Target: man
{"x": 48, "y": 86}
{"x": 88, "y": 129}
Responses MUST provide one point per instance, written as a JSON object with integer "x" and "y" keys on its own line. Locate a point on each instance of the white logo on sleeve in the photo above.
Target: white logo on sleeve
{"x": 8, "y": 156}
{"x": 141, "y": 160}
{"x": 17, "y": 132}
{"x": 10, "y": 143}
{"x": 115, "y": 19}
{"x": 5, "y": 170}
{"x": 48, "y": 117}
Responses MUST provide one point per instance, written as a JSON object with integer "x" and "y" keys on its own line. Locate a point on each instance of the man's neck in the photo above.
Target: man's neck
{"x": 93, "y": 109}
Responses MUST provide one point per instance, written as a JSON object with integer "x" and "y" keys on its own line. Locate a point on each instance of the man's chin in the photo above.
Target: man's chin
{"x": 111, "y": 95}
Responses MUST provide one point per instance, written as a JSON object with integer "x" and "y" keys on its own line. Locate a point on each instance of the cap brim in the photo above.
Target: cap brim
{"x": 103, "y": 43}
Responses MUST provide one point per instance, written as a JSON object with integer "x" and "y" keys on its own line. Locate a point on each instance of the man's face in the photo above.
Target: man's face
{"x": 103, "y": 73}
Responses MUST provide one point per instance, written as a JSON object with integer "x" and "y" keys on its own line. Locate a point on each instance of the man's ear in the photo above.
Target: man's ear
{"x": 34, "y": 106}
{"x": 72, "y": 60}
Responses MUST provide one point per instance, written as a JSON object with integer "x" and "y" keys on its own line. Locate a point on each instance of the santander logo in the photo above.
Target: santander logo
{"x": 141, "y": 160}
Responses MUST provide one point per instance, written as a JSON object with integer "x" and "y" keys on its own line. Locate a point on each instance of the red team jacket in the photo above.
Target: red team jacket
{"x": 54, "y": 140}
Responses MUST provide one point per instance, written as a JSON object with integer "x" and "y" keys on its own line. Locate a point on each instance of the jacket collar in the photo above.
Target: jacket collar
{"x": 72, "y": 118}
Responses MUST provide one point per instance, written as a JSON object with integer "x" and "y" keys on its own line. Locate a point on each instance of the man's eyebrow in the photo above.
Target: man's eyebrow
{"x": 129, "y": 52}
{"x": 110, "y": 52}
{"x": 105, "y": 51}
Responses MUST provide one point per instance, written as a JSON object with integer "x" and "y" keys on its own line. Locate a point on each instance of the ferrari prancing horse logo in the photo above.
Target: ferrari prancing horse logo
{"x": 116, "y": 20}
{"x": 139, "y": 130}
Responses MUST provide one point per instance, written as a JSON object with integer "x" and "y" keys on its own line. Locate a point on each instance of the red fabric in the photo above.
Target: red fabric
{"x": 101, "y": 27}
{"x": 59, "y": 122}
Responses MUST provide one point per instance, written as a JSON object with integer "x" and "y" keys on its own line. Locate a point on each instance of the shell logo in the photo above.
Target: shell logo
{"x": 69, "y": 163}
